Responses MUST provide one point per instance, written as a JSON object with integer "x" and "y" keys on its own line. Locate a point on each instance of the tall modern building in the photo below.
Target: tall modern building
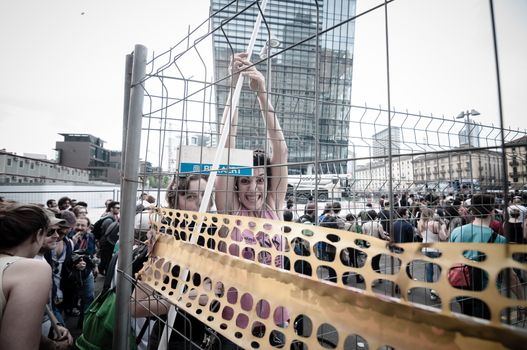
{"x": 293, "y": 75}
{"x": 381, "y": 142}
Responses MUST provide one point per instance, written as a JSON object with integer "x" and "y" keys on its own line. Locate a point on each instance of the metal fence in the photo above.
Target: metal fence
{"x": 372, "y": 151}
{"x": 94, "y": 198}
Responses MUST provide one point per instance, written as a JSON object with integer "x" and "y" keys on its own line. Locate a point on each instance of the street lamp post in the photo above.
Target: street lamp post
{"x": 267, "y": 50}
{"x": 467, "y": 115}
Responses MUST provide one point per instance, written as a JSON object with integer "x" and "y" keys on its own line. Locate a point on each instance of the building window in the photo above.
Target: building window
{"x": 32, "y": 166}
{"x": 21, "y": 164}
{"x": 9, "y": 161}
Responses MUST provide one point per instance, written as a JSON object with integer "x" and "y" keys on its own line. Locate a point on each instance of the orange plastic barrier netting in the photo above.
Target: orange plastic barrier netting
{"x": 266, "y": 284}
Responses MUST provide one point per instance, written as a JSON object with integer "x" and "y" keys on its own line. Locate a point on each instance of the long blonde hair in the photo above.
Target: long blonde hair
{"x": 426, "y": 215}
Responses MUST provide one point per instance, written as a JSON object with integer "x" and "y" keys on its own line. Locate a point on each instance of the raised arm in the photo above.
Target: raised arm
{"x": 224, "y": 196}
{"x": 278, "y": 185}
{"x": 144, "y": 303}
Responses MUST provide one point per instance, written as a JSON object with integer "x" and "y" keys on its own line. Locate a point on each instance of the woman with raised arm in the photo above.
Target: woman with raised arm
{"x": 25, "y": 283}
{"x": 263, "y": 194}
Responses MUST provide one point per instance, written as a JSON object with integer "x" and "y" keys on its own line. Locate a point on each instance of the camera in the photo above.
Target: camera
{"x": 79, "y": 255}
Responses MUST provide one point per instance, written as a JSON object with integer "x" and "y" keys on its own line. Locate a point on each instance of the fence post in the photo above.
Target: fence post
{"x": 126, "y": 107}
{"x": 128, "y": 194}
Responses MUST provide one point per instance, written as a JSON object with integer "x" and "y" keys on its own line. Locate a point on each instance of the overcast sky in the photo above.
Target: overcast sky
{"x": 62, "y": 62}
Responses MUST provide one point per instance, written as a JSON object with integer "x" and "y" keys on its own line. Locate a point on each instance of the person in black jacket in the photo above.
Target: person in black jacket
{"x": 403, "y": 231}
{"x": 384, "y": 216}
{"x": 77, "y": 279}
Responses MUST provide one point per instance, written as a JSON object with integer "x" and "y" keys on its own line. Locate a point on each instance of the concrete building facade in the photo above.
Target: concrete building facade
{"x": 15, "y": 169}
{"x": 86, "y": 151}
{"x": 516, "y": 154}
{"x": 479, "y": 166}
{"x": 374, "y": 176}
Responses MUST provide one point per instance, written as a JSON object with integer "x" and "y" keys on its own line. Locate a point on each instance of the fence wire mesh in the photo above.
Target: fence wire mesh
{"x": 364, "y": 157}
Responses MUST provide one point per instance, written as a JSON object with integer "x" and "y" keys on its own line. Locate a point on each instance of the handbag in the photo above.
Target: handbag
{"x": 97, "y": 328}
{"x": 466, "y": 277}
{"x": 459, "y": 276}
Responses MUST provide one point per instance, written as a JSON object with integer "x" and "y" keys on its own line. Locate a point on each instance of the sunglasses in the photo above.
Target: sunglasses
{"x": 52, "y": 231}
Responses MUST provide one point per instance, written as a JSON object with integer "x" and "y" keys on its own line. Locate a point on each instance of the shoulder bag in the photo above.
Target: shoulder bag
{"x": 466, "y": 277}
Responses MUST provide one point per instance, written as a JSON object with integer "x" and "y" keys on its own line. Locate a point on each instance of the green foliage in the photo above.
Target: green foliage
{"x": 153, "y": 181}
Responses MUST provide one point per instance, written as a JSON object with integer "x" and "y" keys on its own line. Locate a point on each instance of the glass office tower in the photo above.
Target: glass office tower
{"x": 293, "y": 75}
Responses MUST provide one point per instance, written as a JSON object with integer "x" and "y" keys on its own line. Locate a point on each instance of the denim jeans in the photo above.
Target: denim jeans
{"x": 429, "y": 267}
{"x": 87, "y": 293}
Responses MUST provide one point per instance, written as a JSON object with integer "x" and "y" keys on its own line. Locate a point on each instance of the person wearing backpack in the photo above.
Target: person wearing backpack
{"x": 112, "y": 214}
{"x": 310, "y": 212}
{"x": 479, "y": 231}
{"x": 352, "y": 224}
{"x": 106, "y": 246}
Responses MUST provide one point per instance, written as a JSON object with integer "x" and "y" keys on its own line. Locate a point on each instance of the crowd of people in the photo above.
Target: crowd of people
{"x": 50, "y": 255}
{"x": 453, "y": 218}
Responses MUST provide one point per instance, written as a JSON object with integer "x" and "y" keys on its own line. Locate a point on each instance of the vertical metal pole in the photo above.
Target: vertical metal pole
{"x": 128, "y": 194}
{"x": 469, "y": 172}
{"x": 126, "y": 107}
{"x": 505, "y": 179}
{"x": 390, "y": 169}
{"x": 316, "y": 116}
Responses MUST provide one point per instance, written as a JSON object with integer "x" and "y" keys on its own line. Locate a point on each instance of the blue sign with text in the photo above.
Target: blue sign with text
{"x": 234, "y": 170}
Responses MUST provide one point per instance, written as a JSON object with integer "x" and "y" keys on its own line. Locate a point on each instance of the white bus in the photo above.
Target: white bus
{"x": 330, "y": 187}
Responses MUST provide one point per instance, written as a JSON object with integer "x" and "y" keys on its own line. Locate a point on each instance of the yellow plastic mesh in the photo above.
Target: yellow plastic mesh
{"x": 265, "y": 284}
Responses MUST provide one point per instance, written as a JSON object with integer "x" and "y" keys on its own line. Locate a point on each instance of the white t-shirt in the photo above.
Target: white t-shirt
{"x": 373, "y": 228}
{"x": 521, "y": 208}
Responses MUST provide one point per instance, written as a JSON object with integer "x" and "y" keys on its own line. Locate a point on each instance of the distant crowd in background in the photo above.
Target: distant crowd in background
{"x": 476, "y": 218}
{"x": 447, "y": 211}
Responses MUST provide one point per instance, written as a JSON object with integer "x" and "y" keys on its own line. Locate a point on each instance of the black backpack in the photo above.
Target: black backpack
{"x": 98, "y": 227}
{"x": 107, "y": 244}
